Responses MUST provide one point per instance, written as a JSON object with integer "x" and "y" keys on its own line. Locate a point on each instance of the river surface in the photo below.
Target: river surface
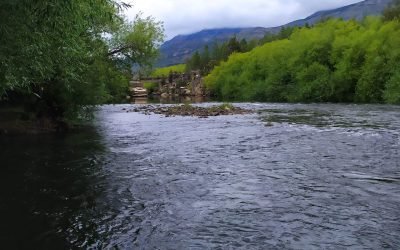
{"x": 287, "y": 177}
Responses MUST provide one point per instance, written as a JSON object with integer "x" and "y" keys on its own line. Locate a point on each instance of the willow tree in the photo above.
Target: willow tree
{"x": 51, "y": 52}
{"x": 333, "y": 61}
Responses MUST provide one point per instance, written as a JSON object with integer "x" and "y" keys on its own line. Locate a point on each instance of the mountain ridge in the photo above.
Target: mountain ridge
{"x": 181, "y": 47}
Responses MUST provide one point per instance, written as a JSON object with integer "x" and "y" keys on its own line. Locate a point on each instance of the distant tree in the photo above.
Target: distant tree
{"x": 205, "y": 57}
{"x": 333, "y": 61}
{"x": 284, "y": 33}
{"x": 268, "y": 37}
{"x": 252, "y": 44}
{"x": 215, "y": 51}
{"x": 392, "y": 12}
{"x": 233, "y": 45}
{"x": 244, "y": 45}
{"x": 224, "y": 51}
{"x": 195, "y": 61}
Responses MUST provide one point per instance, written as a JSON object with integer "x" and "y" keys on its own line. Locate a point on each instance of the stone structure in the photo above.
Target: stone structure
{"x": 176, "y": 84}
{"x": 137, "y": 89}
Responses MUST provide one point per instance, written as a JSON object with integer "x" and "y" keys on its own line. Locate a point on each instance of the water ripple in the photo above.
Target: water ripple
{"x": 290, "y": 177}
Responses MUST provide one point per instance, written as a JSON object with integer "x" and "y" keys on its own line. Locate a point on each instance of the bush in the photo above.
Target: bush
{"x": 334, "y": 61}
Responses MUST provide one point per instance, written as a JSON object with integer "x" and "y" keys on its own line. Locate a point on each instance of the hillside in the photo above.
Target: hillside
{"x": 175, "y": 51}
{"x": 354, "y": 11}
{"x": 179, "y": 48}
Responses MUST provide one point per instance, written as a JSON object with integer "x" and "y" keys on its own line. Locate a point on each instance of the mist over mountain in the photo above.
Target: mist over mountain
{"x": 181, "y": 47}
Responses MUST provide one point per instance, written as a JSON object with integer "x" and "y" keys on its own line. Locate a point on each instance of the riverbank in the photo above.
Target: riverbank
{"x": 15, "y": 121}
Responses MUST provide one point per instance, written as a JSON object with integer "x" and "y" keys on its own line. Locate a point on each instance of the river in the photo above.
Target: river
{"x": 287, "y": 177}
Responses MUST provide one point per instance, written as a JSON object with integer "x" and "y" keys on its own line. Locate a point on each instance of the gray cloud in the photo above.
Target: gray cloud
{"x": 183, "y": 16}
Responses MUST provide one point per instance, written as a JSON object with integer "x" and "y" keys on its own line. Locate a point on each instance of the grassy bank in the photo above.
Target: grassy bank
{"x": 165, "y": 71}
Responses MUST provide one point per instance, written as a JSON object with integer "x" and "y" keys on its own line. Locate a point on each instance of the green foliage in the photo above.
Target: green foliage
{"x": 233, "y": 45}
{"x": 392, "y": 90}
{"x": 165, "y": 71}
{"x": 334, "y": 61}
{"x": 151, "y": 87}
{"x": 55, "y": 57}
{"x": 392, "y": 12}
{"x": 137, "y": 41}
{"x": 207, "y": 59}
{"x": 313, "y": 84}
{"x": 284, "y": 33}
{"x": 194, "y": 63}
{"x": 108, "y": 85}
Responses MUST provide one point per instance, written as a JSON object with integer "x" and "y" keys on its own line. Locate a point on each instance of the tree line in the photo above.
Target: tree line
{"x": 57, "y": 57}
{"x": 333, "y": 61}
{"x": 212, "y": 55}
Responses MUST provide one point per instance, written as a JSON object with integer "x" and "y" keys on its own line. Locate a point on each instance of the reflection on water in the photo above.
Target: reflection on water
{"x": 48, "y": 190}
{"x": 140, "y": 100}
{"x": 318, "y": 176}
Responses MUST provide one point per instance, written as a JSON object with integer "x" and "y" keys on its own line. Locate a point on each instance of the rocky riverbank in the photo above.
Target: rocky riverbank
{"x": 190, "y": 110}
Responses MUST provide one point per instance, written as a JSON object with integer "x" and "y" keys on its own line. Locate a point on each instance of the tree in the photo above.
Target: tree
{"x": 284, "y": 33}
{"x": 48, "y": 48}
{"x": 137, "y": 41}
{"x": 194, "y": 62}
{"x": 219, "y": 52}
{"x": 333, "y": 61}
{"x": 392, "y": 90}
{"x": 205, "y": 60}
{"x": 233, "y": 45}
{"x": 244, "y": 45}
{"x": 392, "y": 12}
{"x": 215, "y": 51}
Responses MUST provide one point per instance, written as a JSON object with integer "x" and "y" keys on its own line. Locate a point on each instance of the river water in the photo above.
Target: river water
{"x": 287, "y": 177}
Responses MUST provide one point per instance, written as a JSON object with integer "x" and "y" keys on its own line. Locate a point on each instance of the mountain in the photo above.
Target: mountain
{"x": 175, "y": 51}
{"x": 354, "y": 11}
{"x": 181, "y": 47}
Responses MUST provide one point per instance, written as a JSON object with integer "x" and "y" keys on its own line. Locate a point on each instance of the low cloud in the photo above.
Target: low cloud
{"x": 183, "y": 16}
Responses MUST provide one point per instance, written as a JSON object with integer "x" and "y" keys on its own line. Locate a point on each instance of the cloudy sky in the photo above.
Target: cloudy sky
{"x": 188, "y": 16}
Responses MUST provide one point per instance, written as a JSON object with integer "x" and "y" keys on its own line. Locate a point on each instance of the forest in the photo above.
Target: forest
{"x": 332, "y": 61}
{"x": 59, "y": 58}
{"x": 212, "y": 55}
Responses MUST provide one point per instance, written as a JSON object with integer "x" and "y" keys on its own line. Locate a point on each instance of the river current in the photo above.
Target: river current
{"x": 286, "y": 177}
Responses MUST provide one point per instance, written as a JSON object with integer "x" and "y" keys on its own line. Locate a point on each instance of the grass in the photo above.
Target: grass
{"x": 150, "y": 86}
{"x": 164, "y": 72}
